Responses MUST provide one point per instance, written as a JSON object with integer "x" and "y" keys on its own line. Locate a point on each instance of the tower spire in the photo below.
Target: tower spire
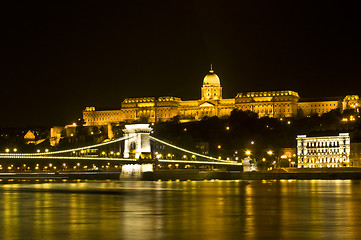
{"x": 211, "y": 70}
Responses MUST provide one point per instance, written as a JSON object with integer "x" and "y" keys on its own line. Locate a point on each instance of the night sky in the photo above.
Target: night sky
{"x": 57, "y": 58}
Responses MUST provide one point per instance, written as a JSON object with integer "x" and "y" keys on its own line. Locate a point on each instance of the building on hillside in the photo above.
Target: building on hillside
{"x": 351, "y": 102}
{"x": 29, "y": 137}
{"x": 274, "y": 104}
{"x": 319, "y": 106}
{"x": 55, "y": 135}
{"x": 323, "y": 152}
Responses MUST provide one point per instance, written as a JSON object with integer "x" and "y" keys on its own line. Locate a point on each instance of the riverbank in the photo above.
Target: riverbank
{"x": 57, "y": 176}
{"x": 301, "y": 174}
{"x": 185, "y": 175}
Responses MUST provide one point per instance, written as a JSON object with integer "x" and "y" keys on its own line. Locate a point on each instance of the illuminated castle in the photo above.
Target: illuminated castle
{"x": 275, "y": 104}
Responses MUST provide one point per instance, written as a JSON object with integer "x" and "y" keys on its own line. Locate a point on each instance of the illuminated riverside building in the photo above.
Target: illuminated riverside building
{"x": 274, "y": 104}
{"x": 323, "y": 152}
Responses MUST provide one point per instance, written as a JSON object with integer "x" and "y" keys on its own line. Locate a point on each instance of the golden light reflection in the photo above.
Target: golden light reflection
{"x": 182, "y": 210}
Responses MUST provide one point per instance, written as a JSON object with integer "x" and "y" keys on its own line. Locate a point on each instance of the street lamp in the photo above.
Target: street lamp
{"x": 270, "y": 153}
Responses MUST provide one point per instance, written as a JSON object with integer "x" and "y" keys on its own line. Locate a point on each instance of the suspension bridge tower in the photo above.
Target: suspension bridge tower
{"x": 138, "y": 143}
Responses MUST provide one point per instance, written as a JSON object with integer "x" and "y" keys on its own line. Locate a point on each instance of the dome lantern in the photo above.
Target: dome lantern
{"x": 211, "y": 79}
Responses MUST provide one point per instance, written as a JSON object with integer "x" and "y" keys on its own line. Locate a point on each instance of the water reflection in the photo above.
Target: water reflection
{"x": 182, "y": 210}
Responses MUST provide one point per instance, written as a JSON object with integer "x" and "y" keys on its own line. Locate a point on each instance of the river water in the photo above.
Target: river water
{"x": 309, "y": 209}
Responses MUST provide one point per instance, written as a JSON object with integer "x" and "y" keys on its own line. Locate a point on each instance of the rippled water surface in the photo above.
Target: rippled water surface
{"x": 315, "y": 209}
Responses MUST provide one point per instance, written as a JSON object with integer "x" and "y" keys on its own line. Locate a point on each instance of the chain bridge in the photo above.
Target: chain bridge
{"x": 138, "y": 155}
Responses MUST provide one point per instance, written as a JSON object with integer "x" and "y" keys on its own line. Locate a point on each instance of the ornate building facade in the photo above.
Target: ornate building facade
{"x": 275, "y": 104}
{"x": 321, "y": 152}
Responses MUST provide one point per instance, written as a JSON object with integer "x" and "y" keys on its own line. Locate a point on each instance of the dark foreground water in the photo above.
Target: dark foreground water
{"x": 311, "y": 209}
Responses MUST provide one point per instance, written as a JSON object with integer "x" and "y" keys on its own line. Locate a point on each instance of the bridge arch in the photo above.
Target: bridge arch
{"x": 137, "y": 143}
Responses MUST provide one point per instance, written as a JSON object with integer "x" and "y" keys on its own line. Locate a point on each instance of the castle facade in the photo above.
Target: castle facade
{"x": 274, "y": 104}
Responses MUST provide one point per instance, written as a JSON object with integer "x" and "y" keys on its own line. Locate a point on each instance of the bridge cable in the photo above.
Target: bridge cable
{"x": 67, "y": 150}
{"x": 185, "y": 150}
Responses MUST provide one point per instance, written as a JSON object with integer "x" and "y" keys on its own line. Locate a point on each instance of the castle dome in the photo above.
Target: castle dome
{"x": 211, "y": 79}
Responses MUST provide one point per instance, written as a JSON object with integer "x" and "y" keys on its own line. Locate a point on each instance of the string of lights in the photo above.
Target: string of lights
{"x": 199, "y": 162}
{"x": 113, "y": 159}
{"x": 68, "y": 158}
{"x": 45, "y": 155}
{"x": 67, "y": 150}
{"x": 185, "y": 150}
